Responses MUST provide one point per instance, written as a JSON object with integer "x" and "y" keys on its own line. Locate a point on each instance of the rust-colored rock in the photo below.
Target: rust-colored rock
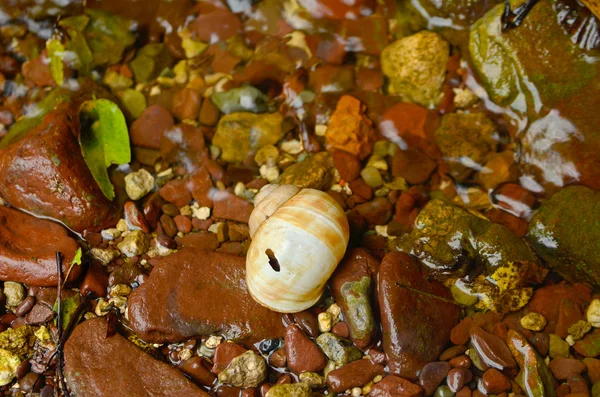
{"x": 224, "y": 353}
{"x": 301, "y": 353}
{"x": 349, "y": 129}
{"x": 416, "y": 326}
{"x": 432, "y": 375}
{"x": 494, "y": 382}
{"x": 44, "y": 173}
{"x": 563, "y": 367}
{"x": 148, "y": 129}
{"x": 28, "y": 247}
{"x": 198, "y": 369}
{"x": 347, "y": 165}
{"x": 492, "y": 350}
{"x": 200, "y": 185}
{"x": 99, "y": 366}
{"x": 179, "y": 301}
{"x": 231, "y": 207}
{"x": 412, "y": 165}
{"x": 176, "y": 192}
{"x": 355, "y": 374}
{"x": 395, "y": 386}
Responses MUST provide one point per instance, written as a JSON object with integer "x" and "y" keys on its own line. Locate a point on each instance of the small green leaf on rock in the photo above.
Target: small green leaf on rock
{"x": 56, "y": 53}
{"x": 69, "y": 307}
{"x": 104, "y": 140}
{"x": 75, "y": 262}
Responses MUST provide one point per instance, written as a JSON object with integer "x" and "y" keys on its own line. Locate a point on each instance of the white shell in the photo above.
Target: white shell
{"x": 307, "y": 232}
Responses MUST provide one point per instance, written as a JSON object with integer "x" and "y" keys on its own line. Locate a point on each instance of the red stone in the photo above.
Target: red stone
{"x": 147, "y": 130}
{"x": 224, "y": 353}
{"x": 395, "y": 386}
{"x": 176, "y": 192}
{"x": 229, "y": 206}
{"x": 301, "y": 353}
{"x": 347, "y": 165}
{"x": 184, "y": 224}
{"x": 200, "y": 186}
{"x": 563, "y": 367}
{"x": 356, "y": 373}
{"x": 134, "y": 217}
{"x": 494, "y": 382}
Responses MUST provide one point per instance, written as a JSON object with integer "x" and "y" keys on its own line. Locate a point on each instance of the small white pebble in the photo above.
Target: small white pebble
{"x": 155, "y": 90}
{"x": 337, "y": 188}
{"x": 138, "y": 184}
{"x": 166, "y": 173}
{"x": 320, "y": 129}
{"x": 110, "y": 234}
{"x": 201, "y": 213}
{"x": 213, "y": 341}
{"x": 214, "y": 228}
{"x": 101, "y": 307}
{"x": 356, "y": 391}
{"x": 378, "y": 378}
{"x": 570, "y": 340}
{"x": 120, "y": 290}
{"x": 292, "y": 147}
{"x": 239, "y": 189}
{"x": 325, "y": 321}
{"x": 533, "y": 322}
{"x": 593, "y": 313}
{"x": 270, "y": 173}
{"x": 122, "y": 225}
{"x": 184, "y": 354}
{"x": 381, "y": 230}
{"x": 335, "y": 311}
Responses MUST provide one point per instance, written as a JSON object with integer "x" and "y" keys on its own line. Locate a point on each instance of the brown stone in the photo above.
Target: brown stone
{"x": 578, "y": 386}
{"x": 357, "y": 373}
{"x": 307, "y": 321}
{"x": 176, "y": 192}
{"x": 148, "y": 129}
{"x": 44, "y": 173}
{"x": 198, "y": 369}
{"x": 452, "y": 352}
{"x": 458, "y": 378}
{"x": 229, "y": 206}
{"x": 200, "y": 186}
{"x": 494, "y": 382}
{"x": 546, "y": 300}
{"x": 376, "y": 212}
{"x": 461, "y": 362}
{"x": 569, "y": 313}
{"x": 395, "y": 386}
{"x": 203, "y": 241}
{"x": 416, "y": 326}
{"x": 347, "y": 165}
{"x": 97, "y": 365}
{"x": 593, "y": 369}
{"x": 39, "y": 314}
{"x": 95, "y": 280}
{"x": 179, "y": 300}
{"x": 224, "y": 353}
{"x": 563, "y": 367}
{"x": 360, "y": 188}
{"x": 301, "y": 353}
{"x": 28, "y": 247}
{"x": 432, "y": 375}
{"x": 134, "y": 218}
{"x": 492, "y": 350}
{"x": 341, "y": 329}
{"x": 412, "y": 165}
{"x": 183, "y": 223}
{"x": 462, "y": 332}
{"x": 186, "y": 104}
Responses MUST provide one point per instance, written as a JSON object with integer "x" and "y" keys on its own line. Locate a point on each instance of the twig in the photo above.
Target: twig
{"x": 61, "y": 382}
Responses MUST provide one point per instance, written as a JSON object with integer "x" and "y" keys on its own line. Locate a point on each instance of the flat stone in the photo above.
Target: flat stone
{"x": 28, "y": 247}
{"x": 99, "y": 366}
{"x": 194, "y": 292}
{"x": 416, "y": 325}
{"x": 355, "y": 374}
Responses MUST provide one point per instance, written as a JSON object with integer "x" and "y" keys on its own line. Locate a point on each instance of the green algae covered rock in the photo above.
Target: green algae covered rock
{"x": 566, "y": 233}
{"x": 552, "y": 88}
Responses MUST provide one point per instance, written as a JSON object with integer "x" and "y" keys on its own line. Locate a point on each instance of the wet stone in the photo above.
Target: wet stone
{"x": 493, "y": 351}
{"x": 589, "y": 346}
{"x": 198, "y": 369}
{"x": 149, "y": 128}
{"x": 458, "y": 378}
{"x": 301, "y": 353}
{"x": 165, "y": 308}
{"x": 224, "y": 353}
{"x": 563, "y": 367}
{"x": 97, "y": 365}
{"x": 28, "y": 248}
{"x": 355, "y": 374}
{"x": 229, "y": 206}
{"x": 494, "y": 382}
{"x": 395, "y": 386}
{"x": 432, "y": 375}
{"x": 416, "y": 326}
{"x": 338, "y": 350}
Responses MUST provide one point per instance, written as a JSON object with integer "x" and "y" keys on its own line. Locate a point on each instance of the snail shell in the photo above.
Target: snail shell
{"x": 298, "y": 238}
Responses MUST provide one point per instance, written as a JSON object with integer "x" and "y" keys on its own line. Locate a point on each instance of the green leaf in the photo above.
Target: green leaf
{"x": 104, "y": 140}
{"x": 107, "y": 36}
{"x": 56, "y": 53}
{"x": 75, "y": 262}
{"x": 77, "y": 43}
{"x": 69, "y": 306}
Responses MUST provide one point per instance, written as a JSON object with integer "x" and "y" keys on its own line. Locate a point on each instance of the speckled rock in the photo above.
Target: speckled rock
{"x": 178, "y": 301}
{"x": 314, "y": 172}
{"x": 416, "y": 67}
{"x": 99, "y": 366}
{"x": 239, "y": 134}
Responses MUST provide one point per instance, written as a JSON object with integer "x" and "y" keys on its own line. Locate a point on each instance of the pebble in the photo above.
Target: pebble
{"x": 198, "y": 369}
{"x": 461, "y": 362}
{"x": 278, "y": 359}
{"x": 458, "y": 378}
{"x": 462, "y": 332}
{"x": 432, "y": 375}
{"x": 134, "y": 218}
{"x": 229, "y": 206}
{"x": 416, "y": 328}
{"x": 325, "y": 322}
{"x": 112, "y": 366}
{"x": 341, "y": 329}
{"x": 246, "y": 370}
{"x": 138, "y": 184}
{"x": 176, "y": 192}
{"x": 494, "y": 382}
{"x": 452, "y": 352}
{"x": 14, "y": 293}
{"x": 168, "y": 225}
{"x": 347, "y": 165}
{"x": 224, "y": 353}
{"x": 562, "y": 367}
{"x": 533, "y": 322}
{"x": 355, "y": 374}
{"x": 301, "y": 353}
{"x": 39, "y": 314}
{"x": 25, "y": 306}
{"x": 395, "y": 386}
{"x": 493, "y": 351}
{"x": 165, "y": 308}
{"x": 577, "y": 385}
{"x": 558, "y": 347}
{"x": 593, "y": 313}
{"x": 593, "y": 369}
{"x": 147, "y": 130}
{"x": 134, "y": 244}
{"x": 290, "y": 390}
{"x": 340, "y": 351}
{"x": 589, "y": 346}
{"x": 313, "y": 379}
{"x": 183, "y": 223}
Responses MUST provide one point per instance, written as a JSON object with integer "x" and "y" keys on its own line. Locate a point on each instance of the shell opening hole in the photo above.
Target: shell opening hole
{"x": 272, "y": 260}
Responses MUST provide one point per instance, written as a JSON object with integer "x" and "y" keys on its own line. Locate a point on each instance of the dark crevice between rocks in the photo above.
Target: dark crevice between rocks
{"x": 273, "y": 260}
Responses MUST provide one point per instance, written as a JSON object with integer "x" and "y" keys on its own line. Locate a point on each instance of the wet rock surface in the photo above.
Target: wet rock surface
{"x": 106, "y": 366}
{"x": 28, "y": 249}
{"x": 301, "y": 353}
{"x": 416, "y": 323}
{"x": 178, "y": 301}
{"x": 356, "y": 373}
{"x": 44, "y": 173}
